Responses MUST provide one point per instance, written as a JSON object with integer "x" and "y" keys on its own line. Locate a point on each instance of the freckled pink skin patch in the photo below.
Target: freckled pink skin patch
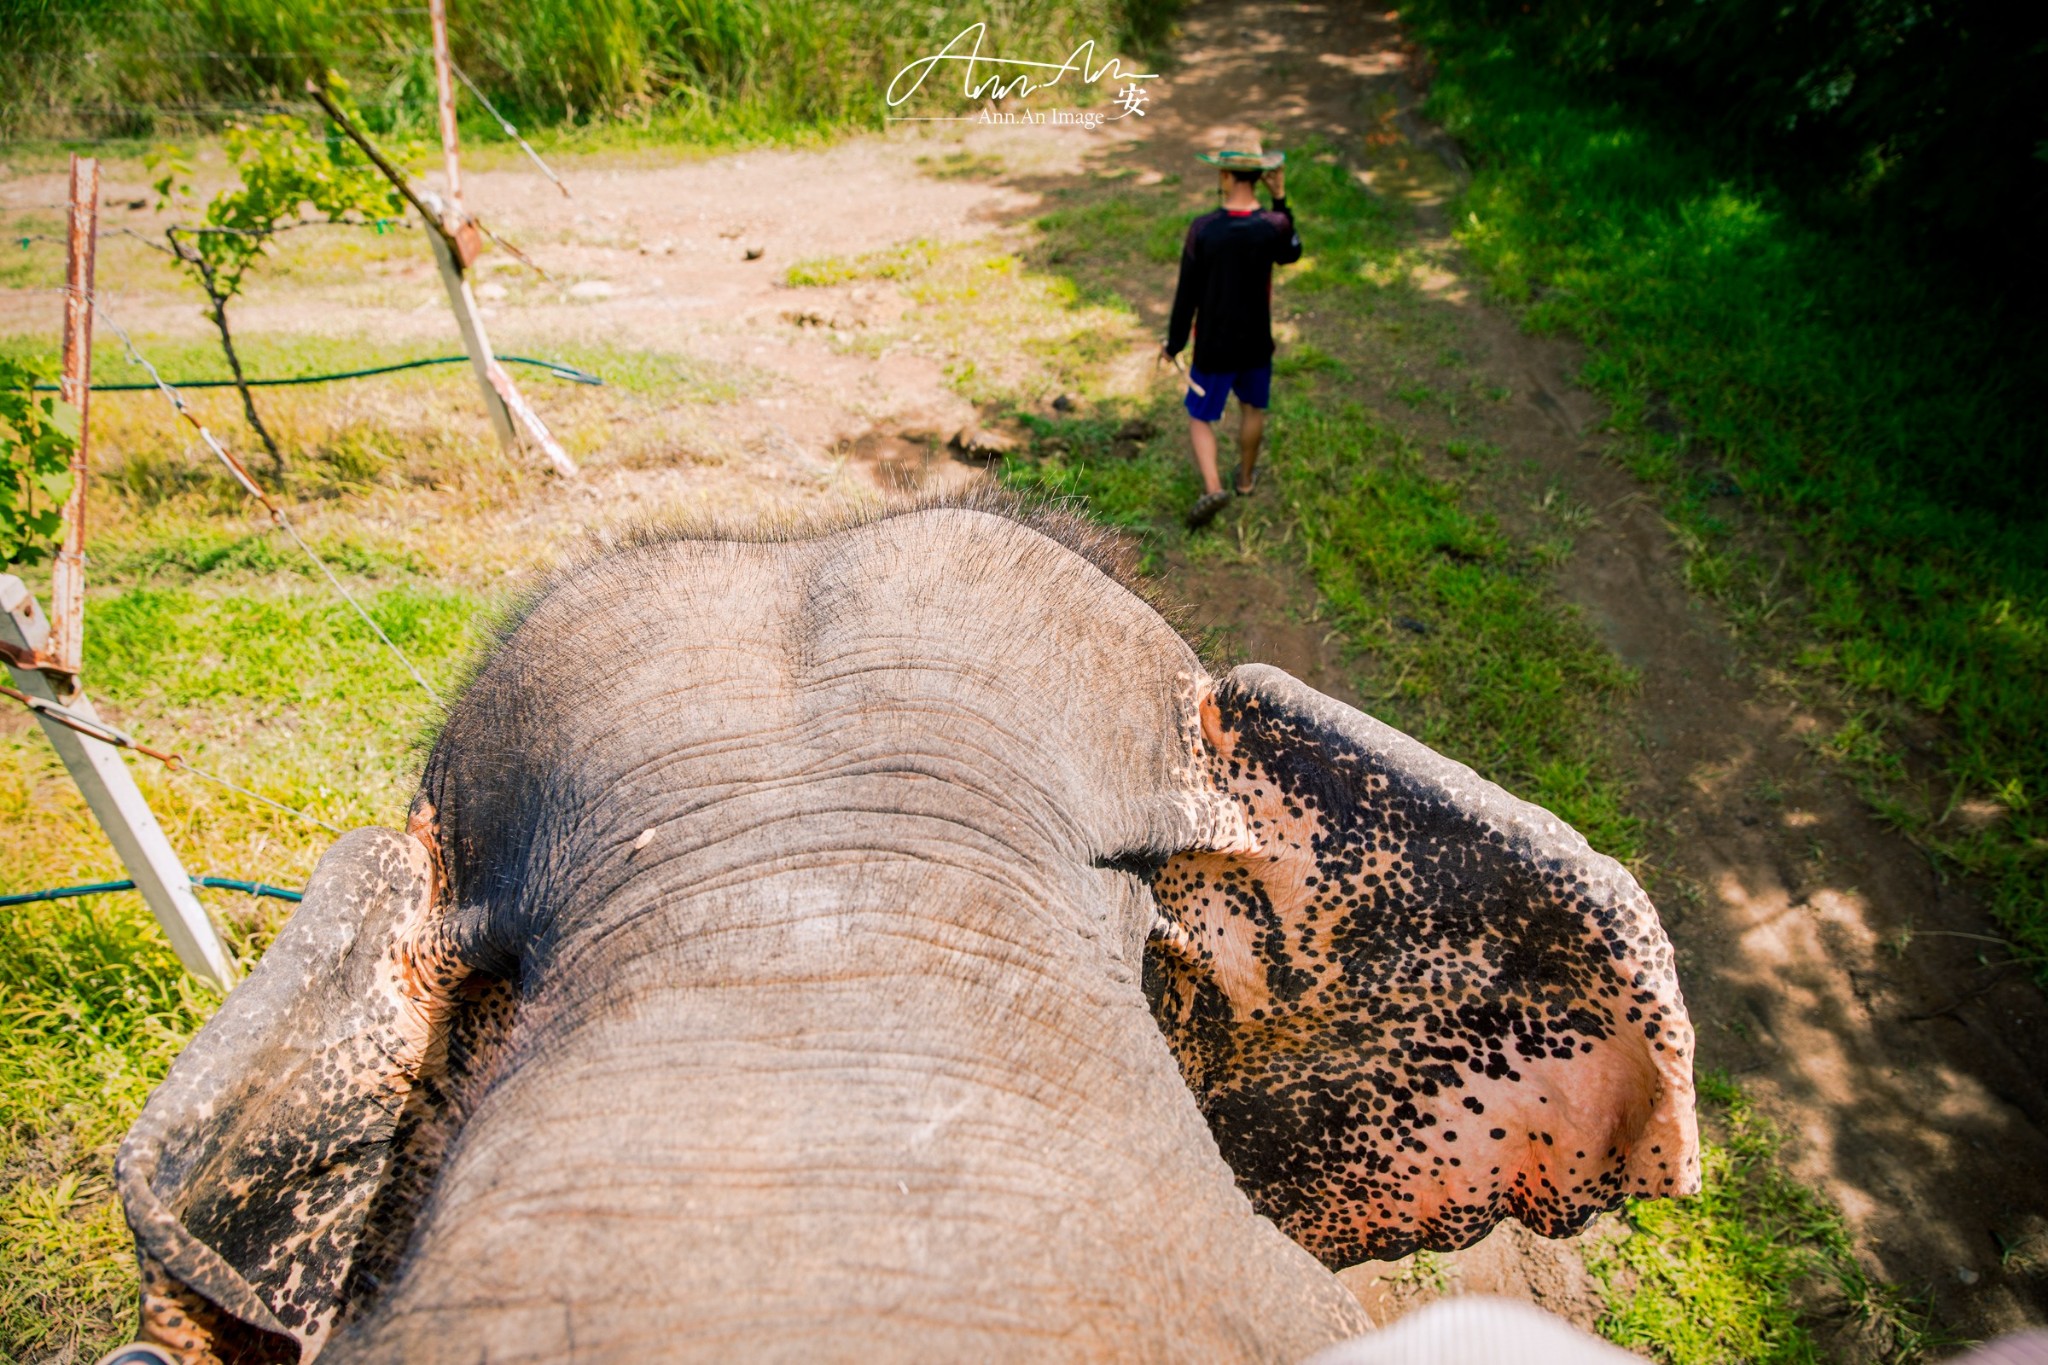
{"x": 1422, "y": 1006}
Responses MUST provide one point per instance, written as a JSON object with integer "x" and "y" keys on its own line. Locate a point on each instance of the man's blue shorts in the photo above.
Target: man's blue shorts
{"x": 1252, "y": 387}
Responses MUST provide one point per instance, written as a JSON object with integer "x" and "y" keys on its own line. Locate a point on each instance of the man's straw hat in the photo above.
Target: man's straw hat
{"x": 1244, "y": 161}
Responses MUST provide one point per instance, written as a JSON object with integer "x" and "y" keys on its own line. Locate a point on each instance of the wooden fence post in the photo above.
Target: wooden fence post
{"x": 116, "y": 802}
{"x": 67, "y": 577}
{"x": 437, "y": 18}
{"x": 502, "y": 398}
{"x": 462, "y": 303}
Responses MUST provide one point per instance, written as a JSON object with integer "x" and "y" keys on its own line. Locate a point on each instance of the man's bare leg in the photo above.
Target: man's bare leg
{"x": 1251, "y": 429}
{"x": 1203, "y": 435}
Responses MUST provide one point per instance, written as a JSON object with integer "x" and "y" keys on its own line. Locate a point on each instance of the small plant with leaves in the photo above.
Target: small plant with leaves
{"x": 285, "y": 171}
{"x": 38, "y": 434}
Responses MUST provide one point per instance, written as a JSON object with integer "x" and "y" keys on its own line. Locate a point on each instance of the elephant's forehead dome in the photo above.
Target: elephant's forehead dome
{"x": 1041, "y": 550}
{"x": 948, "y": 671}
{"x": 988, "y": 597}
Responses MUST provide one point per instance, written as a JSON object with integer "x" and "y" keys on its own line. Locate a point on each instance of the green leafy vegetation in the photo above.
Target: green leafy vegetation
{"x": 1848, "y": 437}
{"x": 1925, "y": 118}
{"x": 38, "y": 436}
{"x": 282, "y": 169}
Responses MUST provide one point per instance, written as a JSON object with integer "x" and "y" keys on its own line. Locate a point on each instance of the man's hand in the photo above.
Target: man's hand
{"x": 1276, "y": 181}
{"x": 1166, "y": 357}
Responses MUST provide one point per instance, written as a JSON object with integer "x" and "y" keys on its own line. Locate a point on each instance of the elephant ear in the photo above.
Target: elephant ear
{"x": 1420, "y": 1006}
{"x": 259, "y": 1179}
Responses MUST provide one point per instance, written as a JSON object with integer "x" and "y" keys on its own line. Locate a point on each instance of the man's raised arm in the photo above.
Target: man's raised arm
{"x": 1289, "y": 250}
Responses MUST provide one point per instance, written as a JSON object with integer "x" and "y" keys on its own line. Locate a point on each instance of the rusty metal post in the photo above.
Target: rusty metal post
{"x": 67, "y": 582}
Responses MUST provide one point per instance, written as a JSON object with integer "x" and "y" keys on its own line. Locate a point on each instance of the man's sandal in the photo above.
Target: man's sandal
{"x": 1206, "y": 507}
{"x": 1247, "y": 487}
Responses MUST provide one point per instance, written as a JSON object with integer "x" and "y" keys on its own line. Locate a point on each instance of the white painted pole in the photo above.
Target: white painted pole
{"x": 501, "y": 395}
{"x": 116, "y": 802}
{"x": 463, "y": 303}
{"x": 502, "y": 398}
{"x": 456, "y": 241}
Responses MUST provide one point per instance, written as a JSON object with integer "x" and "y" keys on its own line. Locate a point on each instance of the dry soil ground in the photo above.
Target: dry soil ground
{"x": 1827, "y": 966}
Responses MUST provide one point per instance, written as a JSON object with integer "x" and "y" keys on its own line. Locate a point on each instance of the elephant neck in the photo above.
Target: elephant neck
{"x": 784, "y": 1096}
{"x": 895, "y": 954}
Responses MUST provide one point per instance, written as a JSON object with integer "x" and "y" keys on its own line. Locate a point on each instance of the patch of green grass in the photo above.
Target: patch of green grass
{"x": 92, "y": 1009}
{"x": 285, "y": 693}
{"x": 1878, "y": 432}
{"x": 208, "y": 550}
{"x": 1116, "y": 228}
{"x": 1077, "y": 460}
{"x": 647, "y": 374}
{"x": 1711, "y": 1280}
{"x": 1463, "y": 643}
{"x": 1308, "y": 359}
{"x": 888, "y": 264}
{"x": 177, "y": 647}
{"x": 1734, "y": 1275}
{"x": 284, "y": 355}
{"x": 1057, "y": 335}
{"x": 963, "y": 165}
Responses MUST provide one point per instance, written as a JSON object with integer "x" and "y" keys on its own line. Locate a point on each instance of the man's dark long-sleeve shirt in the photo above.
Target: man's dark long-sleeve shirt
{"x": 1226, "y": 285}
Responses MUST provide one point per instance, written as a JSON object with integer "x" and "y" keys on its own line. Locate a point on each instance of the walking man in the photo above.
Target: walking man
{"x": 1225, "y": 296}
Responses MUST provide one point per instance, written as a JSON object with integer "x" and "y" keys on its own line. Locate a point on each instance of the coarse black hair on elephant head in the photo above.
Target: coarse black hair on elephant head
{"x": 886, "y": 938}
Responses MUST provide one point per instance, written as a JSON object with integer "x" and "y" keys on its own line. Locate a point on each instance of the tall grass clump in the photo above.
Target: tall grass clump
{"x": 1849, "y": 432}
{"x": 716, "y": 69}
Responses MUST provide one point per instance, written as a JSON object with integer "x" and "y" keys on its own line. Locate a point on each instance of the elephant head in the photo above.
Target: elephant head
{"x": 890, "y": 939}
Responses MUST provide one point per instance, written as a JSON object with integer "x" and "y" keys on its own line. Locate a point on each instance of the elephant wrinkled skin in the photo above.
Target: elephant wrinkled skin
{"x": 888, "y": 940}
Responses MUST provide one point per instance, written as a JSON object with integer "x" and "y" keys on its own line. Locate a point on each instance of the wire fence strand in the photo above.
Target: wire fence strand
{"x": 185, "y": 765}
{"x": 510, "y": 131}
{"x": 93, "y": 728}
{"x": 255, "y": 490}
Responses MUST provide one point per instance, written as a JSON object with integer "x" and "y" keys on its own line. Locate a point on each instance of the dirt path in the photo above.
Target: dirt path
{"x": 1829, "y": 968}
